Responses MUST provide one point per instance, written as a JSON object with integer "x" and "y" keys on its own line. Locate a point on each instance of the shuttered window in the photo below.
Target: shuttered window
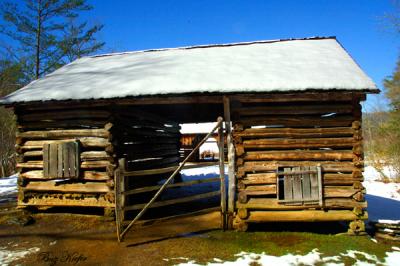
{"x": 300, "y": 185}
{"x": 61, "y": 160}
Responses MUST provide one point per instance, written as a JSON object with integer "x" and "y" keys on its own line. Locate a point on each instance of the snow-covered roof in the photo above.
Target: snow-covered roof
{"x": 261, "y": 66}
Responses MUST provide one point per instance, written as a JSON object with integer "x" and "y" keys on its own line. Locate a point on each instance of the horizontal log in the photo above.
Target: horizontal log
{"x": 66, "y": 133}
{"x": 53, "y": 186}
{"x": 95, "y": 164}
{"x": 95, "y": 156}
{"x": 340, "y": 179}
{"x": 84, "y": 165}
{"x": 135, "y": 155}
{"x": 188, "y": 214}
{"x": 141, "y": 148}
{"x": 67, "y": 124}
{"x": 273, "y": 204}
{"x": 86, "y": 200}
{"x": 295, "y": 132}
{"x": 143, "y": 132}
{"x": 327, "y": 166}
{"x": 84, "y": 156}
{"x": 304, "y": 216}
{"x": 166, "y": 169}
{"x": 259, "y": 190}
{"x": 86, "y": 142}
{"x": 298, "y": 155}
{"x": 64, "y": 115}
{"x": 341, "y": 96}
{"x": 153, "y": 163}
{"x": 174, "y": 201}
{"x": 299, "y": 143}
{"x": 85, "y": 175}
{"x": 180, "y": 184}
{"x": 264, "y": 178}
{"x": 290, "y": 121}
{"x": 340, "y": 191}
{"x": 293, "y": 109}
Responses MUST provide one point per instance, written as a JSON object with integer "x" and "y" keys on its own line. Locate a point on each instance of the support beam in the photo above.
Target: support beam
{"x": 231, "y": 156}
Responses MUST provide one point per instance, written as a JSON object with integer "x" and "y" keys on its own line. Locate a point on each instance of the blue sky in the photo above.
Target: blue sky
{"x": 358, "y": 25}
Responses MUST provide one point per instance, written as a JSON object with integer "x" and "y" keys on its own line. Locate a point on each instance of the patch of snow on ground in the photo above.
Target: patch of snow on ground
{"x": 383, "y": 198}
{"x": 8, "y": 184}
{"x": 214, "y": 169}
{"x": 311, "y": 258}
{"x": 8, "y": 256}
{"x": 370, "y": 173}
{"x": 8, "y": 189}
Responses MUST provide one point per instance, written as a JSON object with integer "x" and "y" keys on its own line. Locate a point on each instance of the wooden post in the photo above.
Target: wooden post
{"x": 118, "y": 194}
{"x": 221, "y": 146}
{"x": 231, "y": 160}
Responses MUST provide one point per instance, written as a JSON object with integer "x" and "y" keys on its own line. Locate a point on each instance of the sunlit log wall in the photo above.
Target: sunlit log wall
{"x": 49, "y": 123}
{"x": 105, "y": 133}
{"x": 303, "y": 131}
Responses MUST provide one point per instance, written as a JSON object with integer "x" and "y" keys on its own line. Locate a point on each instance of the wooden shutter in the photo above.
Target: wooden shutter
{"x": 61, "y": 160}
{"x": 300, "y": 185}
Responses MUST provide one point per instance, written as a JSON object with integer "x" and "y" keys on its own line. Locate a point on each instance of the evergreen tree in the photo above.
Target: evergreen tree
{"x": 40, "y": 29}
{"x": 11, "y": 78}
{"x": 391, "y": 129}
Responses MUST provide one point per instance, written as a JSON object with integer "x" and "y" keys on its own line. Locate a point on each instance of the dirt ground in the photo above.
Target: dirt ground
{"x": 77, "y": 239}
{"x": 73, "y": 239}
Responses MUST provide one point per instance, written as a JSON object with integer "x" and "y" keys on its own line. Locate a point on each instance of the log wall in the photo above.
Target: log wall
{"x": 39, "y": 125}
{"x": 307, "y": 132}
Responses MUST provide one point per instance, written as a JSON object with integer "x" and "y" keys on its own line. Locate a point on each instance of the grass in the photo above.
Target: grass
{"x": 224, "y": 245}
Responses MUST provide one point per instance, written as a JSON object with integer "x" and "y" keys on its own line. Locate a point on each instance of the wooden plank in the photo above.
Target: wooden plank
{"x": 166, "y": 169}
{"x": 66, "y": 162}
{"x": 314, "y": 186}
{"x": 320, "y": 190}
{"x": 297, "y": 186}
{"x": 53, "y": 157}
{"x": 60, "y": 161}
{"x": 304, "y": 216}
{"x": 174, "y": 201}
{"x": 202, "y": 211}
{"x": 71, "y": 158}
{"x": 306, "y": 183}
{"x": 88, "y": 187}
{"x": 180, "y": 184}
{"x": 287, "y": 185}
{"x": 46, "y": 148}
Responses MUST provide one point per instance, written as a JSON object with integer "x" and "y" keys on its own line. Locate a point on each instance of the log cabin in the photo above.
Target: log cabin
{"x": 291, "y": 107}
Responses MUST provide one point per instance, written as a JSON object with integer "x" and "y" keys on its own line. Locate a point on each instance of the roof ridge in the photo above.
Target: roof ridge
{"x": 215, "y": 45}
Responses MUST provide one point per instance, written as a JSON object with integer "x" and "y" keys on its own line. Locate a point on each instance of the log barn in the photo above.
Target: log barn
{"x": 292, "y": 118}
